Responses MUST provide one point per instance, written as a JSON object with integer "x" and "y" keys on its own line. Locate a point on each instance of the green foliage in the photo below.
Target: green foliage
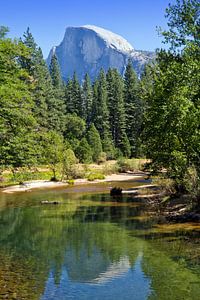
{"x": 68, "y": 164}
{"x": 95, "y": 176}
{"x": 3, "y": 31}
{"x": 84, "y": 152}
{"x": 73, "y": 97}
{"x": 133, "y": 165}
{"x": 102, "y": 158}
{"x": 48, "y": 97}
{"x": 87, "y": 99}
{"x": 75, "y": 127}
{"x": 53, "y": 149}
{"x": 133, "y": 109}
{"x": 94, "y": 141}
{"x": 54, "y": 70}
{"x": 117, "y": 111}
{"x": 172, "y": 112}
{"x": 17, "y": 124}
{"x": 183, "y": 22}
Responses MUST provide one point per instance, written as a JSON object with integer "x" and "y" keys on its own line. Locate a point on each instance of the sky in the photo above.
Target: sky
{"x": 135, "y": 20}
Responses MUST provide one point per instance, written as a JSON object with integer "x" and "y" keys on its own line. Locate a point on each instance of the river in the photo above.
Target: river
{"x": 92, "y": 246}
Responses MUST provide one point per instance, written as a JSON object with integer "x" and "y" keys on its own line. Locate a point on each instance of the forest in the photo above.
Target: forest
{"x": 46, "y": 121}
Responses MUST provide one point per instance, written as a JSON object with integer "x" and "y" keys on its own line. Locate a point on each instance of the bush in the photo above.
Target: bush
{"x": 109, "y": 168}
{"x": 132, "y": 165}
{"x": 70, "y": 182}
{"x": 102, "y": 158}
{"x": 78, "y": 172}
{"x": 94, "y": 176}
{"x": 166, "y": 184}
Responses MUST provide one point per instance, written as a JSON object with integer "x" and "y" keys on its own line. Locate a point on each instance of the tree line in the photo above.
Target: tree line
{"x": 44, "y": 120}
{"x": 39, "y": 110}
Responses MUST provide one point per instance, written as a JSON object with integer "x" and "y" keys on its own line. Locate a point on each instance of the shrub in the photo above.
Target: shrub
{"x": 70, "y": 181}
{"x": 94, "y": 176}
{"x": 132, "y": 165}
{"x": 102, "y": 158}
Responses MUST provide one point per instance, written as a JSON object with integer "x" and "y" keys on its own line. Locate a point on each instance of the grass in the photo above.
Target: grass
{"x": 88, "y": 171}
{"x": 133, "y": 165}
{"x": 9, "y": 179}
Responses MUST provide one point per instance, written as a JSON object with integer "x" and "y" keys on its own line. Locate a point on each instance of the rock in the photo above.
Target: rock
{"x": 89, "y": 48}
{"x": 49, "y": 202}
{"x": 116, "y": 191}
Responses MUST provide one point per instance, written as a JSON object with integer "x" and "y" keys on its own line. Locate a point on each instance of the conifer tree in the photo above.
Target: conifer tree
{"x": 87, "y": 98}
{"x": 57, "y": 104}
{"x": 54, "y": 70}
{"x": 76, "y": 100}
{"x": 100, "y": 114}
{"x": 69, "y": 98}
{"x": 94, "y": 141}
{"x": 117, "y": 111}
{"x": 48, "y": 107}
{"x": 133, "y": 108}
{"x": 84, "y": 152}
{"x": 16, "y": 120}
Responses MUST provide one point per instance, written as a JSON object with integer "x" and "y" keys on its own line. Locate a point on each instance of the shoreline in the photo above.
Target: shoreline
{"x": 40, "y": 184}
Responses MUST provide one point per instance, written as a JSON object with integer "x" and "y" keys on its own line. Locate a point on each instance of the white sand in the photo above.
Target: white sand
{"x": 49, "y": 184}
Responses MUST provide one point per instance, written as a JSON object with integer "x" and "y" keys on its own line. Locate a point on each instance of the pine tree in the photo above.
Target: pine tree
{"x": 117, "y": 111}
{"x": 57, "y": 104}
{"x": 84, "y": 152}
{"x": 133, "y": 108}
{"x": 29, "y": 62}
{"x": 76, "y": 100}
{"x": 87, "y": 98}
{"x": 48, "y": 105}
{"x": 94, "y": 141}
{"x": 17, "y": 124}
{"x": 69, "y": 98}
{"x": 54, "y": 70}
{"x": 100, "y": 114}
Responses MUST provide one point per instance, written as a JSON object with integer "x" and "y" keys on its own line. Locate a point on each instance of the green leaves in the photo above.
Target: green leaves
{"x": 172, "y": 111}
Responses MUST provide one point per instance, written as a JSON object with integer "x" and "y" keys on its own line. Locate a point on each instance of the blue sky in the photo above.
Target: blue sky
{"x": 135, "y": 20}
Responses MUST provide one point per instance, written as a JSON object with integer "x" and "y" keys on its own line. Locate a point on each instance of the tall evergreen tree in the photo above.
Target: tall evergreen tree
{"x": 133, "y": 108}
{"x": 29, "y": 62}
{"x": 100, "y": 114}
{"x": 68, "y": 97}
{"x": 94, "y": 141}
{"x": 57, "y": 104}
{"x": 17, "y": 124}
{"x": 76, "y": 96}
{"x": 54, "y": 70}
{"x": 117, "y": 111}
{"x": 84, "y": 152}
{"x": 87, "y": 98}
{"x": 48, "y": 107}
{"x": 100, "y": 109}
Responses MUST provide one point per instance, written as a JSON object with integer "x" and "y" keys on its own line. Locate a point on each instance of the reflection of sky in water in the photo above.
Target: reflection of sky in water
{"x": 119, "y": 281}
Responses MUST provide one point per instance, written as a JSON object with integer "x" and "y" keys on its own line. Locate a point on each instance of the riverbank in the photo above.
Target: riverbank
{"x": 38, "y": 184}
{"x": 173, "y": 209}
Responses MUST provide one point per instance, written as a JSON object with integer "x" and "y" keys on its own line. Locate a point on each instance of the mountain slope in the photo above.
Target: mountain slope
{"x": 88, "y": 48}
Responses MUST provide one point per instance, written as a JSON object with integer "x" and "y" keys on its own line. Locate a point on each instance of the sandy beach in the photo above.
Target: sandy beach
{"x": 30, "y": 185}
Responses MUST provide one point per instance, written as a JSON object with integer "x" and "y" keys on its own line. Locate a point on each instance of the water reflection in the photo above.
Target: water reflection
{"x": 120, "y": 281}
{"x": 89, "y": 248}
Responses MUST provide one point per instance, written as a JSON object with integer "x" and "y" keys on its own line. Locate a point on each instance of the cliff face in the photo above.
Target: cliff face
{"x": 89, "y": 48}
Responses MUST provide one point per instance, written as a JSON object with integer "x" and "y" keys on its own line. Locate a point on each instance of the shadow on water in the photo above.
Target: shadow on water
{"x": 92, "y": 247}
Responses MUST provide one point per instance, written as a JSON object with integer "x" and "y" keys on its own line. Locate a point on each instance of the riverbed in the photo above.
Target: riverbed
{"x": 93, "y": 246}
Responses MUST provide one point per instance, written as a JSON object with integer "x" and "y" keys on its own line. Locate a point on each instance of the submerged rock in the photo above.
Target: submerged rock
{"x": 49, "y": 202}
{"x": 116, "y": 191}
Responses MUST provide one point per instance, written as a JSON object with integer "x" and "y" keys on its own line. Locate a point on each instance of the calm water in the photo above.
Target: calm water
{"x": 93, "y": 247}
